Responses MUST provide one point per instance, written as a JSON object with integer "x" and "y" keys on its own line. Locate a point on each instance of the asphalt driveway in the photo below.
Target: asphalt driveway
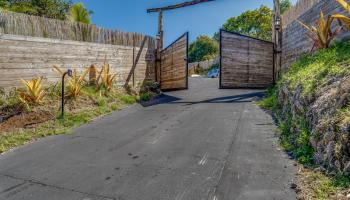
{"x": 203, "y": 143}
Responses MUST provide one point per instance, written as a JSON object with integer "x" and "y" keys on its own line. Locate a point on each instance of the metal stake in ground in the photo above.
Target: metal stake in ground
{"x": 69, "y": 73}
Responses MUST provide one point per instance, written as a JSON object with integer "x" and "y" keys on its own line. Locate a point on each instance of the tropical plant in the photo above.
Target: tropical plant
{"x": 75, "y": 83}
{"x": 107, "y": 79}
{"x": 34, "y": 92}
{"x": 343, "y": 18}
{"x": 321, "y": 33}
{"x": 78, "y": 13}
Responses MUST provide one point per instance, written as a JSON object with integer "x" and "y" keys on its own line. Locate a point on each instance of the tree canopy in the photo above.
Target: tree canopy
{"x": 78, "y": 13}
{"x": 56, "y": 9}
{"x": 203, "y": 48}
{"x": 285, "y": 5}
{"x": 3, "y": 3}
{"x": 255, "y": 23}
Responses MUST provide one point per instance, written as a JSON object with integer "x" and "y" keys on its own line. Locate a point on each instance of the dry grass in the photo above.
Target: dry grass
{"x": 314, "y": 185}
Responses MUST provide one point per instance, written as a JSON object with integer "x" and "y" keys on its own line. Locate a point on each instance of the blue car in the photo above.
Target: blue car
{"x": 213, "y": 73}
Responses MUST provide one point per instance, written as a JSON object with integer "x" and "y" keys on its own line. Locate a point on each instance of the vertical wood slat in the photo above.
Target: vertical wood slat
{"x": 245, "y": 62}
{"x": 12, "y": 23}
{"x": 174, "y": 65}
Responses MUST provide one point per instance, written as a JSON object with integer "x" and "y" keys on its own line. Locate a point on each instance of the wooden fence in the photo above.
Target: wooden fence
{"x": 297, "y": 10}
{"x": 24, "y": 57}
{"x": 27, "y": 25}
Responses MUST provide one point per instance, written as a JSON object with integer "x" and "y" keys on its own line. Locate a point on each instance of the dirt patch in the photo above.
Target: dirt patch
{"x": 9, "y": 111}
{"x": 25, "y": 120}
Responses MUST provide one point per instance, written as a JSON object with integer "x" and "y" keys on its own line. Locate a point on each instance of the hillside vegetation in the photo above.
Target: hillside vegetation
{"x": 311, "y": 104}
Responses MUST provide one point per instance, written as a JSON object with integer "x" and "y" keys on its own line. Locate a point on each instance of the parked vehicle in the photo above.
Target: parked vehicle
{"x": 213, "y": 73}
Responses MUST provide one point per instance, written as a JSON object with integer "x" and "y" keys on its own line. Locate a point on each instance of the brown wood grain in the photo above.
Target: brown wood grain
{"x": 174, "y": 65}
{"x": 24, "y": 57}
{"x": 245, "y": 62}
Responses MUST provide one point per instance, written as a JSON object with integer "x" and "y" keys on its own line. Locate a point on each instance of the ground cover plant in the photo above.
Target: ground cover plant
{"x": 33, "y": 112}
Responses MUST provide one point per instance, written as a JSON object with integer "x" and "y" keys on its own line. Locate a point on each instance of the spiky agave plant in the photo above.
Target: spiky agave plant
{"x": 75, "y": 83}
{"x": 321, "y": 33}
{"x": 107, "y": 79}
{"x": 34, "y": 93}
{"x": 342, "y": 18}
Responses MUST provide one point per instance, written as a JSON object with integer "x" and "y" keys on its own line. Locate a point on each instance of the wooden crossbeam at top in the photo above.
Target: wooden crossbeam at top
{"x": 181, "y": 5}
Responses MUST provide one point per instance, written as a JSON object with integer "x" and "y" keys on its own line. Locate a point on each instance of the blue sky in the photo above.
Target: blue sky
{"x": 203, "y": 19}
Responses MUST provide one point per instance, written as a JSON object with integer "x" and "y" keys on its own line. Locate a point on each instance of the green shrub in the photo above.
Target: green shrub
{"x": 341, "y": 180}
{"x": 146, "y": 96}
{"x": 150, "y": 86}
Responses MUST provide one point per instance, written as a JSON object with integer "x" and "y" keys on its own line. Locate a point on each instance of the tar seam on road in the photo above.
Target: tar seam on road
{"x": 235, "y": 133}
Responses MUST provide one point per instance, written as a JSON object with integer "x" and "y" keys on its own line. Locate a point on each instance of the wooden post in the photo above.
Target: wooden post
{"x": 160, "y": 35}
{"x": 277, "y": 39}
{"x": 160, "y": 30}
{"x": 159, "y": 45}
{"x": 133, "y": 60}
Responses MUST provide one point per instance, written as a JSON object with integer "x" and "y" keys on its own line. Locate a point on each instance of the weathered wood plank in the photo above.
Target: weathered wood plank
{"x": 28, "y": 57}
{"x": 174, "y": 65}
{"x": 245, "y": 62}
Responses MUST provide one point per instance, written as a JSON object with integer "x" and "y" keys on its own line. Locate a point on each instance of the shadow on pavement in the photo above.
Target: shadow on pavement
{"x": 161, "y": 99}
{"x": 242, "y": 98}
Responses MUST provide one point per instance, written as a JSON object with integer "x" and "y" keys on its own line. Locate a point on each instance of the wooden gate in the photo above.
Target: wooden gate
{"x": 245, "y": 62}
{"x": 174, "y": 65}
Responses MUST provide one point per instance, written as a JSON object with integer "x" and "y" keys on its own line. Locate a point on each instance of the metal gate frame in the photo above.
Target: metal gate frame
{"x": 187, "y": 48}
{"x": 220, "y": 56}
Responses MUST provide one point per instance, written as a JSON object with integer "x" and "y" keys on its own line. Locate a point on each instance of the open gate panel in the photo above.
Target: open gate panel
{"x": 245, "y": 62}
{"x": 174, "y": 65}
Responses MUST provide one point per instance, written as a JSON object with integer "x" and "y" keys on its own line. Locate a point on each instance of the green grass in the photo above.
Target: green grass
{"x": 105, "y": 103}
{"x": 320, "y": 186}
{"x": 128, "y": 99}
{"x": 313, "y": 70}
{"x": 270, "y": 102}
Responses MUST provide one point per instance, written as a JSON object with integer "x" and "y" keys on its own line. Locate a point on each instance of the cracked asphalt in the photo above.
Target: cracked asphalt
{"x": 203, "y": 143}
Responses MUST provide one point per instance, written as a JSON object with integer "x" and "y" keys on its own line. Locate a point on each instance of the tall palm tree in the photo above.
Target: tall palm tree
{"x": 78, "y": 13}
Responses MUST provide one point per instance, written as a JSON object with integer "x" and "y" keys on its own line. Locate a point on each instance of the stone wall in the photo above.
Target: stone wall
{"x": 329, "y": 131}
{"x": 23, "y": 57}
{"x": 295, "y": 42}
{"x": 203, "y": 65}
